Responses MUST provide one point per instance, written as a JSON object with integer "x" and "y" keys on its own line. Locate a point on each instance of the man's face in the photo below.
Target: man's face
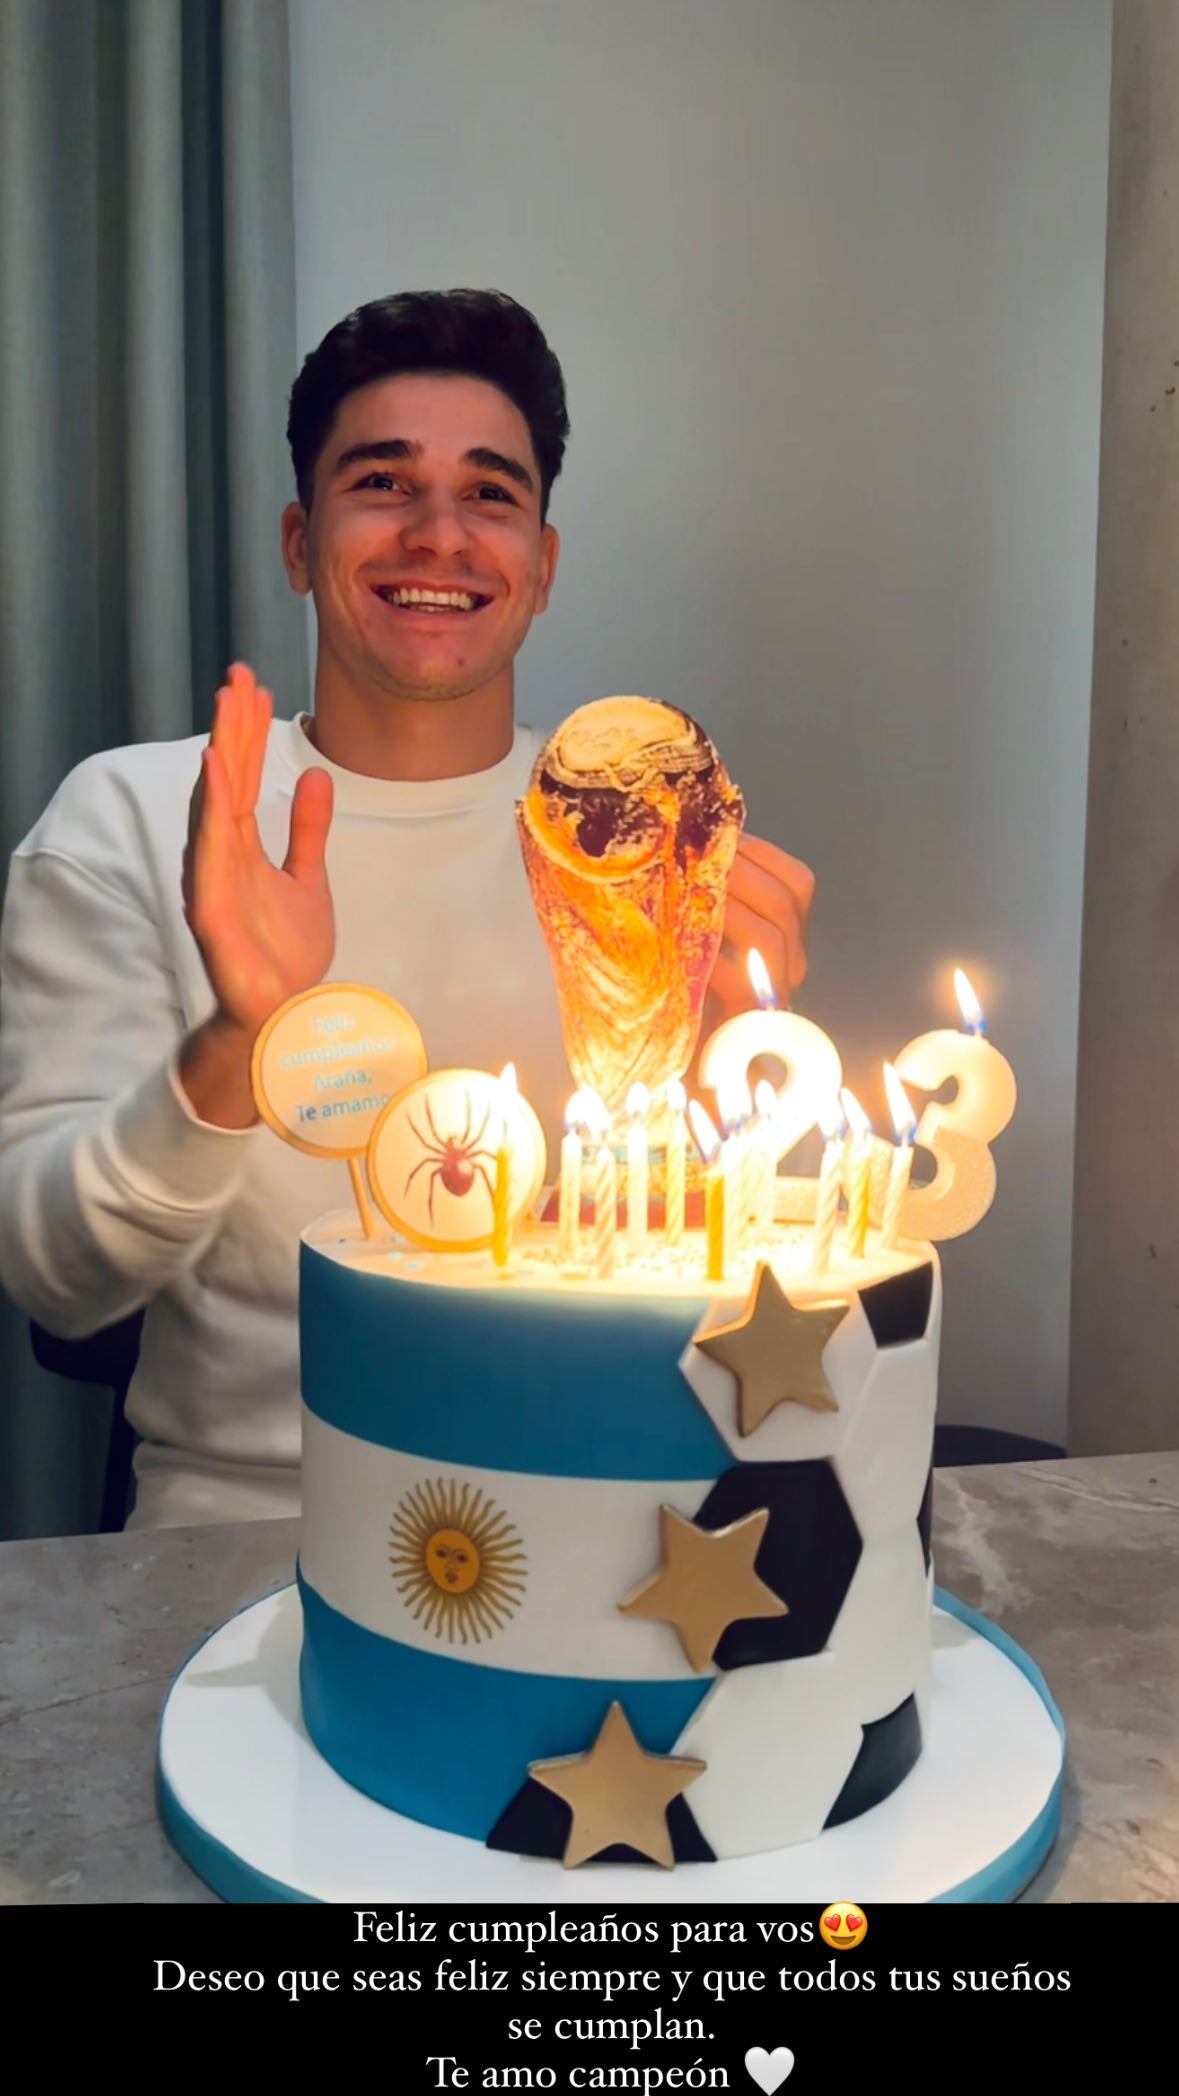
{"x": 426, "y": 483}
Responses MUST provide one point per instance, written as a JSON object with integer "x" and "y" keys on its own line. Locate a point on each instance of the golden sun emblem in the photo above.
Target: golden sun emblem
{"x": 457, "y": 1560}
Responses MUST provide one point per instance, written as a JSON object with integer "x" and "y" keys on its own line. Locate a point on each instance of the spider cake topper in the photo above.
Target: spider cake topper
{"x": 433, "y": 1153}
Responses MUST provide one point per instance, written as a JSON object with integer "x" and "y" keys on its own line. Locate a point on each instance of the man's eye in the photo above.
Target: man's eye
{"x": 492, "y": 487}
{"x": 371, "y": 479}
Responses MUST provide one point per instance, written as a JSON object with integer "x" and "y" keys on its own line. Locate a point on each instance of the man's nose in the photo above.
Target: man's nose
{"x": 437, "y": 524}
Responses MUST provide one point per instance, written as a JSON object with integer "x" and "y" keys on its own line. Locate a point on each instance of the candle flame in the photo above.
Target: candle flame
{"x": 900, "y": 1106}
{"x": 707, "y": 1139}
{"x": 765, "y": 1098}
{"x": 831, "y": 1119}
{"x": 677, "y": 1097}
{"x": 638, "y": 1099}
{"x": 734, "y": 1102}
{"x": 968, "y": 1003}
{"x": 858, "y": 1120}
{"x": 759, "y": 977}
{"x": 594, "y": 1112}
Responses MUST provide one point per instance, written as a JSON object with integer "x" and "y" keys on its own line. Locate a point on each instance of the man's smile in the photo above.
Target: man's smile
{"x": 424, "y": 601}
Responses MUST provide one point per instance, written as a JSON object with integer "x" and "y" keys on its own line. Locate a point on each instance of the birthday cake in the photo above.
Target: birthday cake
{"x": 616, "y": 1491}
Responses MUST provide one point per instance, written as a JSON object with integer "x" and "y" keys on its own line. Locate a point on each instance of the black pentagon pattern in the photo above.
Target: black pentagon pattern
{"x": 898, "y": 1310}
{"x": 808, "y": 1554}
{"x": 537, "y": 1823}
{"x": 888, "y": 1750}
{"x": 925, "y": 1520}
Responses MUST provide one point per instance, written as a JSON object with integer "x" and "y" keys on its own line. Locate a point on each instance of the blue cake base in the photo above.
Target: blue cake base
{"x": 259, "y": 1815}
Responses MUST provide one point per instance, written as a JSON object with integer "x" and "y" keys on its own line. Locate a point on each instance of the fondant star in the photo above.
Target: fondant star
{"x": 618, "y": 1792}
{"x": 706, "y": 1581}
{"x": 775, "y": 1350}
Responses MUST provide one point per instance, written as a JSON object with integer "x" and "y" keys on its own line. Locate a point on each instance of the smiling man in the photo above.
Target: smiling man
{"x": 372, "y": 840}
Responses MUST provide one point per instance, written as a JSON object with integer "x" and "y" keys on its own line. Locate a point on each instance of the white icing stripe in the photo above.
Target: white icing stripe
{"x": 779, "y": 1742}
{"x": 558, "y": 1555}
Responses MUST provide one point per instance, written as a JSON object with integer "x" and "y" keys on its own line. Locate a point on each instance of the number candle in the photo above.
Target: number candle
{"x": 569, "y": 1197}
{"x": 605, "y": 1184}
{"x": 711, "y": 1150}
{"x": 957, "y": 1131}
{"x": 859, "y": 1167}
{"x": 904, "y": 1120}
{"x": 675, "y": 1163}
{"x": 501, "y": 1227}
{"x": 811, "y": 1059}
{"x": 830, "y": 1180}
{"x": 638, "y": 1099}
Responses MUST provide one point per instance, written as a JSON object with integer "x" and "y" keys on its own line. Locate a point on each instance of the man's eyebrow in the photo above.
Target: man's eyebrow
{"x": 401, "y": 448}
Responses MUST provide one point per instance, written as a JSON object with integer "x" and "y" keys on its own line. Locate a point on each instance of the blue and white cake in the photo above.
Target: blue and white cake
{"x": 628, "y": 1568}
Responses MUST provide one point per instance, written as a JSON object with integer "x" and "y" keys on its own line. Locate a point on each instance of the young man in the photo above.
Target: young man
{"x": 373, "y": 841}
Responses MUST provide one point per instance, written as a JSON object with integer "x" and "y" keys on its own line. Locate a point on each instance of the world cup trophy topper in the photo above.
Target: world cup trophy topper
{"x": 326, "y": 1065}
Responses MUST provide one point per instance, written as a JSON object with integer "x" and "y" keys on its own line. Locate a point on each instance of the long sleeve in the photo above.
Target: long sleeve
{"x": 109, "y": 1184}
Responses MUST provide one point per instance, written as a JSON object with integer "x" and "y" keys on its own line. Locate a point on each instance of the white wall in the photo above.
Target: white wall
{"x": 825, "y": 278}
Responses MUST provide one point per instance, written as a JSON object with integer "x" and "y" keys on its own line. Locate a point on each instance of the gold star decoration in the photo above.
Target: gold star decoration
{"x": 706, "y": 1581}
{"x": 618, "y": 1792}
{"x": 775, "y": 1350}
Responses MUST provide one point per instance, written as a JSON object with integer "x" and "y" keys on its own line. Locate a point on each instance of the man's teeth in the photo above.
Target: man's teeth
{"x": 428, "y": 599}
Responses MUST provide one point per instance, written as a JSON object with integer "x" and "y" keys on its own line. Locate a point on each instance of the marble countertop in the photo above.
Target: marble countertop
{"x": 1079, "y": 1561}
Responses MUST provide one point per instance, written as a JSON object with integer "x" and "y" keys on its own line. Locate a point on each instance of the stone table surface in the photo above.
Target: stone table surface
{"x": 1078, "y": 1560}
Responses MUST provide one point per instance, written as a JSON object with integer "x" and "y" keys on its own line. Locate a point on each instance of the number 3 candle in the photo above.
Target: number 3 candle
{"x": 958, "y": 1131}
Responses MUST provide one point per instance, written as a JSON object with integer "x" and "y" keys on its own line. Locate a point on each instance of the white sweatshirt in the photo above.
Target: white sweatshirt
{"x": 114, "y": 1194}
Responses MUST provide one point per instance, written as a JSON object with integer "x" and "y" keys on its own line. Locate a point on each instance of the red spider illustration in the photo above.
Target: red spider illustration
{"x": 458, "y": 1155}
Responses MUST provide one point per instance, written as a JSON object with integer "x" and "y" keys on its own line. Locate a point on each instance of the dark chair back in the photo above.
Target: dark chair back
{"x": 107, "y": 1359}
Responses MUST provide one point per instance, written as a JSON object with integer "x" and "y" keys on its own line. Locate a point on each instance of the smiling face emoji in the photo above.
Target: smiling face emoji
{"x": 843, "y": 1925}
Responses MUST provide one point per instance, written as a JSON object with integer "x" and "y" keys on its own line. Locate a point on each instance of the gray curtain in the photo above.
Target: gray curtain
{"x": 147, "y": 345}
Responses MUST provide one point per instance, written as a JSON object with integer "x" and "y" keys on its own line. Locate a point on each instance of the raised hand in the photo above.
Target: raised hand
{"x": 264, "y": 931}
{"x": 769, "y": 900}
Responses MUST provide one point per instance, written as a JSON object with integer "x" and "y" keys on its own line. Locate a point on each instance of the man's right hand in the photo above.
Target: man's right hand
{"x": 265, "y": 932}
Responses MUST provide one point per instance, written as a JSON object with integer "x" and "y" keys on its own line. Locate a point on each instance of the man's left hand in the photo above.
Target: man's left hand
{"x": 769, "y": 900}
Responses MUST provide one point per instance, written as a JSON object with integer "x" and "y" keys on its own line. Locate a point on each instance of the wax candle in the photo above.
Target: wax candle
{"x": 830, "y": 1182}
{"x": 675, "y": 1163}
{"x": 734, "y": 1105}
{"x": 638, "y": 1100}
{"x": 501, "y": 1228}
{"x": 605, "y": 1182}
{"x": 711, "y": 1150}
{"x": 957, "y": 1131}
{"x": 859, "y": 1166}
{"x": 569, "y": 1195}
{"x": 765, "y": 1100}
{"x": 901, "y": 1163}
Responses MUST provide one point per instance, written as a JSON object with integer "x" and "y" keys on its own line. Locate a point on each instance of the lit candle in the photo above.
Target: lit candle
{"x": 830, "y": 1180}
{"x": 765, "y": 1139}
{"x": 711, "y": 1150}
{"x": 957, "y": 1131}
{"x": 501, "y": 1228}
{"x": 904, "y": 1120}
{"x": 638, "y": 1100}
{"x": 605, "y": 1184}
{"x": 809, "y": 1056}
{"x": 734, "y": 1106}
{"x": 675, "y": 1163}
{"x": 859, "y": 1169}
{"x": 569, "y": 1196}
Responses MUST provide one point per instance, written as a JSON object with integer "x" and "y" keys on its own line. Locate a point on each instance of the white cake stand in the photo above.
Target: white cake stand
{"x": 254, "y": 1808}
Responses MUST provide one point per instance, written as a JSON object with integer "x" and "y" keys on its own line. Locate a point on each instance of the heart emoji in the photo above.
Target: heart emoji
{"x": 768, "y": 2069}
{"x": 854, "y": 1922}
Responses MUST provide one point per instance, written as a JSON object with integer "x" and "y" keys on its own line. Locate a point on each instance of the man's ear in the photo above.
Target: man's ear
{"x": 295, "y": 528}
{"x": 550, "y": 547}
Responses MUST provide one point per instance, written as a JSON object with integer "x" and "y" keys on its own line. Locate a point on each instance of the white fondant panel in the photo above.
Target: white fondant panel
{"x": 779, "y": 1742}
{"x": 791, "y": 1433}
{"x": 883, "y": 1460}
{"x": 586, "y": 1542}
{"x": 881, "y": 1634}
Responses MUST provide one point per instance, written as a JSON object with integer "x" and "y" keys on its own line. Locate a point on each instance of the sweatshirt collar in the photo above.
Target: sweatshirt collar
{"x": 357, "y": 793}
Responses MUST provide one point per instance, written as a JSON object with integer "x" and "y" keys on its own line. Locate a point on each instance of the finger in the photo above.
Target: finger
{"x": 215, "y": 845}
{"x": 231, "y": 726}
{"x": 769, "y": 858}
{"x": 311, "y": 816}
{"x": 780, "y": 945}
{"x": 729, "y": 984}
{"x": 261, "y": 715}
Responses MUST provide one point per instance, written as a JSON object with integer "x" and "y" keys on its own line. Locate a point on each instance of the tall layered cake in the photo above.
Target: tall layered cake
{"x": 616, "y": 1475}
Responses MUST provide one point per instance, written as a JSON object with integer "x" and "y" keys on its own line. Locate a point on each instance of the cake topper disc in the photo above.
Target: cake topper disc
{"x": 433, "y": 1156}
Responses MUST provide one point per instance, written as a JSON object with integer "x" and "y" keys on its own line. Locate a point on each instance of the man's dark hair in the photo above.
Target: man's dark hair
{"x": 480, "y": 334}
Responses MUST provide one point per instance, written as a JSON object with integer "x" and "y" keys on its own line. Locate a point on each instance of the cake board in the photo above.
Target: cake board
{"x": 257, "y": 1812}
